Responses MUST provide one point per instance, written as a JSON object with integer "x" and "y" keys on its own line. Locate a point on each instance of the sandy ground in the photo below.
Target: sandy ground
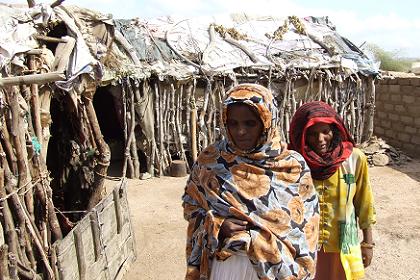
{"x": 156, "y": 211}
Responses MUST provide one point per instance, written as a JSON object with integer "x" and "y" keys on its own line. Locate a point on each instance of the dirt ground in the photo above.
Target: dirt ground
{"x": 156, "y": 211}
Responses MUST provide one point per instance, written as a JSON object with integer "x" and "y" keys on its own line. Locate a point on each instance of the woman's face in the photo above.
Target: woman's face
{"x": 244, "y": 125}
{"x": 319, "y": 137}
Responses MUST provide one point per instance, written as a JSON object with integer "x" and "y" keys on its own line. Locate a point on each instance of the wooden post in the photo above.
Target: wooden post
{"x": 32, "y": 79}
{"x": 80, "y": 253}
{"x": 104, "y": 157}
{"x": 94, "y": 225}
{"x": 193, "y": 128}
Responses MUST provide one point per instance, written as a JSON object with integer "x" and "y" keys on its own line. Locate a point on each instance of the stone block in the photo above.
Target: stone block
{"x": 408, "y": 99}
{"x": 415, "y": 140}
{"x": 410, "y": 129}
{"x": 407, "y": 90}
{"x": 396, "y": 98}
{"x": 404, "y": 81}
{"x": 380, "y": 88}
{"x": 386, "y": 123}
{"x": 413, "y": 109}
{"x": 417, "y": 122}
{"x": 400, "y": 108}
{"x": 409, "y": 147}
{"x": 394, "y": 88}
{"x": 415, "y": 81}
{"x": 390, "y": 134}
{"x": 397, "y": 126}
{"x": 389, "y": 107}
{"x": 404, "y": 137}
{"x": 381, "y": 82}
{"x": 407, "y": 119}
{"x": 393, "y": 117}
{"x": 381, "y": 115}
{"x": 416, "y": 91}
{"x": 392, "y": 81}
{"x": 377, "y": 130}
{"x": 383, "y": 96}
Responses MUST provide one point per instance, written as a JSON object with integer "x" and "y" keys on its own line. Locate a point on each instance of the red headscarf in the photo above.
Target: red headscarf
{"x": 341, "y": 145}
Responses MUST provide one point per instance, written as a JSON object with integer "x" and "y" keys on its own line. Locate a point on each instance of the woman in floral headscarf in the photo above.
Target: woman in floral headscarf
{"x": 340, "y": 173}
{"x": 251, "y": 207}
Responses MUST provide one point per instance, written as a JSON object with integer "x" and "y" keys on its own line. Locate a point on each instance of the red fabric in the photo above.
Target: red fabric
{"x": 341, "y": 146}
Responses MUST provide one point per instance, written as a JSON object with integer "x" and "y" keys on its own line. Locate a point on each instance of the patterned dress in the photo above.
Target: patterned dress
{"x": 270, "y": 187}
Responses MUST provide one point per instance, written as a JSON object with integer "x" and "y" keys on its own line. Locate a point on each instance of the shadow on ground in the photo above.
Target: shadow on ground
{"x": 411, "y": 169}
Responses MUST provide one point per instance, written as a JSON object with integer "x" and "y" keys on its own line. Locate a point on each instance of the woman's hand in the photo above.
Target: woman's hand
{"x": 367, "y": 254}
{"x": 231, "y": 226}
{"x": 367, "y": 246}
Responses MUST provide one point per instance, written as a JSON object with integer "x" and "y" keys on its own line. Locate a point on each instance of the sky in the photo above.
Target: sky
{"x": 394, "y": 25}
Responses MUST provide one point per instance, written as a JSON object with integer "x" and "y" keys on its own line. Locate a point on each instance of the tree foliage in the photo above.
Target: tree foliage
{"x": 390, "y": 61}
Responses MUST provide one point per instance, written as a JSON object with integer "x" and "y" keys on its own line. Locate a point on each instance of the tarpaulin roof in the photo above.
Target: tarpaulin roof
{"x": 184, "y": 47}
{"x": 181, "y": 47}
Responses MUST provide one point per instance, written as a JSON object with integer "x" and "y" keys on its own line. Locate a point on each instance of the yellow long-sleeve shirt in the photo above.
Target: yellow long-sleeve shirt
{"x": 360, "y": 200}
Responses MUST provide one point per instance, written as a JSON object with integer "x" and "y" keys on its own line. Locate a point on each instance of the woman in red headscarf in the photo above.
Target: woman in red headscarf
{"x": 340, "y": 174}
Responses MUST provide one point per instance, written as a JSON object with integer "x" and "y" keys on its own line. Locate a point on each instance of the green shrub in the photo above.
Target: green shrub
{"x": 390, "y": 61}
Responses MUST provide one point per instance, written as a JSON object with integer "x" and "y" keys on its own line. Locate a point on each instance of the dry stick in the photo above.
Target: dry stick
{"x": 128, "y": 118}
{"x": 11, "y": 236}
{"x": 127, "y": 47}
{"x": 209, "y": 115}
{"x": 32, "y": 79}
{"x": 188, "y": 91}
{"x": 127, "y": 132}
{"x": 158, "y": 121}
{"x": 133, "y": 144}
{"x": 172, "y": 118}
{"x": 104, "y": 155}
{"x": 178, "y": 126}
{"x": 9, "y": 181}
{"x": 4, "y": 250}
{"x": 283, "y": 105}
{"x": 193, "y": 124}
{"x": 19, "y": 210}
{"x": 23, "y": 215}
{"x": 203, "y": 128}
{"x": 8, "y": 149}
{"x": 147, "y": 90}
{"x": 56, "y": 3}
{"x": 211, "y": 45}
{"x": 37, "y": 242}
{"x": 165, "y": 120}
{"x": 369, "y": 109}
{"x": 16, "y": 129}
{"x": 44, "y": 194}
{"x": 126, "y": 138}
{"x": 13, "y": 267}
{"x": 31, "y": 3}
{"x": 235, "y": 43}
{"x": 221, "y": 95}
{"x": 36, "y": 115}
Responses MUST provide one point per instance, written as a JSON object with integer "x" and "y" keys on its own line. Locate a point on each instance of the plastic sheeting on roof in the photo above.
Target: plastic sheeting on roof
{"x": 182, "y": 47}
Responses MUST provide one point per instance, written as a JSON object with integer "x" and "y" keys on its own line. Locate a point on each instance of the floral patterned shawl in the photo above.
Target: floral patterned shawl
{"x": 270, "y": 187}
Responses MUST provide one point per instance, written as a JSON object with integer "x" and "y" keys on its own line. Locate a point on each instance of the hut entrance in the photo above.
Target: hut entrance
{"x": 109, "y": 112}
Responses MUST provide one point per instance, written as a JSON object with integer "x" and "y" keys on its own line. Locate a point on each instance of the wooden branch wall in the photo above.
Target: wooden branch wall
{"x": 30, "y": 220}
{"x": 186, "y": 114}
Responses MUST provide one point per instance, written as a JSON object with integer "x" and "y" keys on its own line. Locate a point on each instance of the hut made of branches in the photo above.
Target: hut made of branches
{"x": 53, "y": 159}
{"x": 171, "y": 75}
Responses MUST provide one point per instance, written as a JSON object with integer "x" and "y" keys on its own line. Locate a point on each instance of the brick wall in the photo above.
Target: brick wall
{"x": 397, "y": 115}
